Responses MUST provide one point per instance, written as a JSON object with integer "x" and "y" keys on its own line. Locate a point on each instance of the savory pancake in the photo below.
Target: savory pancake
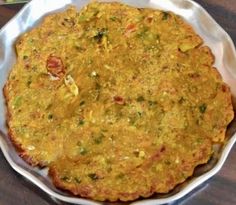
{"x": 118, "y": 102}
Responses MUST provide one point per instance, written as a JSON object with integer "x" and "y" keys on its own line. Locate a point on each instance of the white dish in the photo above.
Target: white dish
{"x": 214, "y": 36}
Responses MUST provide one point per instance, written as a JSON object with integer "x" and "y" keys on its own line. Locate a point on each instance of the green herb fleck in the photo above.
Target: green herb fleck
{"x": 97, "y": 86}
{"x": 25, "y": 57}
{"x": 202, "y": 108}
{"x": 82, "y": 18}
{"x": 139, "y": 114}
{"x": 49, "y": 106}
{"x": 165, "y": 15}
{"x": 50, "y": 116}
{"x": 120, "y": 176}
{"x": 143, "y": 32}
{"x": 29, "y": 83}
{"x": 83, "y": 151}
{"x": 98, "y": 140}
{"x": 167, "y": 162}
{"x": 140, "y": 99}
{"x": 81, "y": 122}
{"x": 82, "y": 103}
{"x": 181, "y": 100}
{"x": 183, "y": 175}
{"x": 66, "y": 179}
{"x": 93, "y": 176}
{"x": 199, "y": 140}
{"x": 151, "y": 103}
{"x": 100, "y": 34}
{"x": 77, "y": 180}
{"x": 34, "y": 68}
{"x": 17, "y": 102}
{"x": 79, "y": 48}
{"x": 113, "y": 18}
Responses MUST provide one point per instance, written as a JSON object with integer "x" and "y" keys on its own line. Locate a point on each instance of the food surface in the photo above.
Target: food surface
{"x": 118, "y": 102}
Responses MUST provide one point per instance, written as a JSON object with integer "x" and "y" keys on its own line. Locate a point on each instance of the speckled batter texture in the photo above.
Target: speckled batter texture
{"x": 118, "y": 102}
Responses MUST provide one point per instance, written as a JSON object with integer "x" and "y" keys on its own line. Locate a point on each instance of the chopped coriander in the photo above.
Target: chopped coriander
{"x": 25, "y": 57}
{"x": 98, "y": 140}
{"x": 17, "y": 101}
{"x": 165, "y": 15}
{"x": 29, "y": 82}
{"x": 139, "y": 114}
{"x": 120, "y": 176}
{"x": 181, "y": 100}
{"x": 50, "y": 116}
{"x": 140, "y": 99}
{"x": 82, "y": 18}
{"x": 81, "y": 122}
{"x": 202, "y": 108}
{"x": 49, "y": 106}
{"x": 66, "y": 179}
{"x": 199, "y": 140}
{"x": 83, "y": 151}
{"x": 78, "y": 143}
{"x": 100, "y": 34}
{"x": 151, "y": 103}
{"x": 97, "y": 86}
{"x": 82, "y": 103}
{"x": 93, "y": 176}
{"x": 77, "y": 180}
{"x": 113, "y": 18}
{"x": 79, "y": 48}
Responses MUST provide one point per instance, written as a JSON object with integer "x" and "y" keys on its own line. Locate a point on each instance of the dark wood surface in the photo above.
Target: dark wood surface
{"x": 219, "y": 190}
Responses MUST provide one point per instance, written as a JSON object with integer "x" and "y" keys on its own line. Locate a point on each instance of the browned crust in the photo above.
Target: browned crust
{"x": 86, "y": 191}
{"x": 22, "y": 153}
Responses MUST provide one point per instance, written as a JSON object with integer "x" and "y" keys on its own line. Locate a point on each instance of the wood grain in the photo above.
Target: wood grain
{"x": 220, "y": 190}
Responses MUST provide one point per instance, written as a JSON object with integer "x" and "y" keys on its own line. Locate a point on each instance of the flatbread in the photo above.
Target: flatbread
{"x": 118, "y": 102}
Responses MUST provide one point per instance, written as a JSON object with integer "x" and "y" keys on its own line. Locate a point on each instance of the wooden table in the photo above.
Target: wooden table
{"x": 220, "y": 190}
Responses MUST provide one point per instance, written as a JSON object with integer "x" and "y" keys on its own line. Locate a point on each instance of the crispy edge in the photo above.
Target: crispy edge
{"x": 85, "y": 191}
{"x": 21, "y": 151}
{"x": 108, "y": 195}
